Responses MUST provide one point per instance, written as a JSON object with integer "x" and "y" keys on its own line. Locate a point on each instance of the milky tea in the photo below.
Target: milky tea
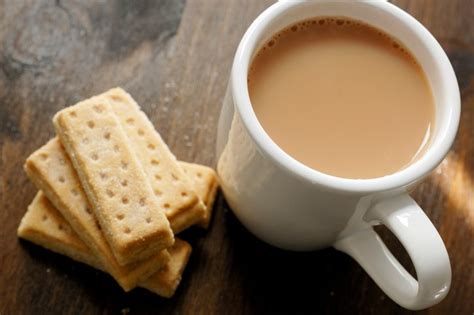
{"x": 342, "y": 97}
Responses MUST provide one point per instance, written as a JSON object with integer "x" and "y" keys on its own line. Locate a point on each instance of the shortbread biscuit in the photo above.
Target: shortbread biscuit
{"x": 43, "y": 225}
{"x": 132, "y": 218}
{"x": 52, "y": 172}
{"x": 168, "y": 181}
{"x": 205, "y": 185}
{"x": 166, "y": 281}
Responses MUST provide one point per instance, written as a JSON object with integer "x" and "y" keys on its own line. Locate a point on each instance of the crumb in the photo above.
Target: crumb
{"x": 125, "y": 311}
{"x": 48, "y": 270}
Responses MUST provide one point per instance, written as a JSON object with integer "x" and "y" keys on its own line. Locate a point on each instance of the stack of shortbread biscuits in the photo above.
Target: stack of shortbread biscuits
{"x": 113, "y": 196}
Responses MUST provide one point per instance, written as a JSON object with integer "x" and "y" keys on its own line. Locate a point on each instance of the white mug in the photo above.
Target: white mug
{"x": 291, "y": 206}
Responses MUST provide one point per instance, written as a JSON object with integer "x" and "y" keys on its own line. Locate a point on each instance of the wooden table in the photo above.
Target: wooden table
{"x": 174, "y": 57}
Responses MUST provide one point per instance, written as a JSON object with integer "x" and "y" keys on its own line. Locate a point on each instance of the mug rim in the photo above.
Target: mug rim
{"x": 439, "y": 148}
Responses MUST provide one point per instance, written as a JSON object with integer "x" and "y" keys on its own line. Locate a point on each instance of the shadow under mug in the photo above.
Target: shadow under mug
{"x": 292, "y": 206}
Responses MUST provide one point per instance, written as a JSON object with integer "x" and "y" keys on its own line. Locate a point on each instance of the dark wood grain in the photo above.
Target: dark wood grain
{"x": 174, "y": 57}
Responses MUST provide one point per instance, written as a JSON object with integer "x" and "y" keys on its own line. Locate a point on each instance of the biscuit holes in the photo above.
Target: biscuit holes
{"x": 62, "y": 161}
{"x": 174, "y": 177}
{"x": 94, "y": 156}
{"x": 125, "y": 200}
{"x": 74, "y": 192}
{"x": 340, "y": 22}
{"x": 157, "y": 177}
{"x": 151, "y": 146}
{"x": 103, "y": 175}
{"x": 73, "y": 114}
{"x": 85, "y": 140}
{"x": 109, "y": 193}
{"x": 199, "y": 175}
{"x": 116, "y": 148}
{"x": 107, "y": 136}
{"x": 141, "y": 132}
{"x": 124, "y": 165}
{"x": 90, "y": 124}
{"x": 155, "y": 162}
{"x": 127, "y": 230}
{"x": 97, "y": 225}
{"x": 62, "y": 179}
{"x": 166, "y": 205}
{"x": 120, "y": 216}
{"x": 44, "y": 218}
{"x": 124, "y": 183}
{"x": 60, "y": 227}
{"x": 130, "y": 121}
{"x": 44, "y": 156}
{"x": 148, "y": 220}
{"x": 184, "y": 194}
{"x": 158, "y": 193}
{"x": 294, "y": 28}
{"x": 142, "y": 202}
{"x": 99, "y": 108}
{"x": 117, "y": 98}
{"x": 88, "y": 210}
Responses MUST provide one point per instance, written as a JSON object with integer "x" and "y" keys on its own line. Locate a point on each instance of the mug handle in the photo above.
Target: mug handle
{"x": 403, "y": 216}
